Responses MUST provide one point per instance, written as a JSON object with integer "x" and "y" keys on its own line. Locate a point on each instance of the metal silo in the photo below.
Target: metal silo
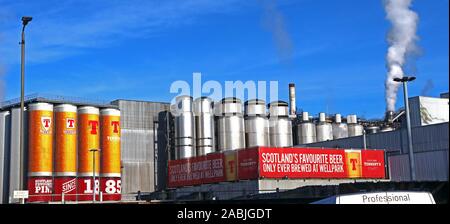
{"x": 5, "y": 131}
{"x": 306, "y": 131}
{"x": 65, "y": 161}
{"x": 40, "y": 151}
{"x": 354, "y": 129}
{"x": 204, "y": 125}
{"x": 372, "y": 129}
{"x": 256, "y": 123}
{"x": 184, "y": 127}
{"x": 387, "y": 128}
{"x": 340, "y": 129}
{"x": 230, "y": 125}
{"x": 110, "y": 163}
{"x": 280, "y": 126}
{"x": 324, "y": 130}
{"x": 88, "y": 138}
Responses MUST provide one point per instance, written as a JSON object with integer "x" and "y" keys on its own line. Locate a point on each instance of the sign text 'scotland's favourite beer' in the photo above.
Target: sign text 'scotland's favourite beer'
{"x": 65, "y": 152}
{"x": 88, "y": 138}
{"x": 40, "y": 152}
{"x": 110, "y": 143}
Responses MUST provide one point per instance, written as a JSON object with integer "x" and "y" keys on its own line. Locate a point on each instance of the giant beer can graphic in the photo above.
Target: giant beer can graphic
{"x": 88, "y": 139}
{"x": 110, "y": 154}
{"x": 354, "y": 164}
{"x": 65, "y": 152}
{"x": 230, "y": 165}
{"x": 40, "y": 151}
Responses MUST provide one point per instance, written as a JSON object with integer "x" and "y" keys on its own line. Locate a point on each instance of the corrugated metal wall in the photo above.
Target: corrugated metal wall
{"x": 138, "y": 132}
{"x": 5, "y": 127}
{"x": 414, "y": 111}
{"x": 429, "y": 166}
{"x": 137, "y": 176}
{"x": 137, "y": 145}
{"x": 430, "y": 144}
{"x": 14, "y": 168}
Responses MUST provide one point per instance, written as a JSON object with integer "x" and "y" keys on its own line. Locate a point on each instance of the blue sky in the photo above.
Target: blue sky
{"x": 106, "y": 49}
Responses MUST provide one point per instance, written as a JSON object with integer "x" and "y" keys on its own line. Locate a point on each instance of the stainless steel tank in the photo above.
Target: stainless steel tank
{"x": 340, "y": 130}
{"x": 324, "y": 130}
{"x": 204, "y": 126}
{"x": 306, "y": 131}
{"x": 389, "y": 116}
{"x": 230, "y": 125}
{"x": 256, "y": 123}
{"x": 372, "y": 129}
{"x": 387, "y": 128}
{"x": 354, "y": 129}
{"x": 184, "y": 127}
{"x": 280, "y": 125}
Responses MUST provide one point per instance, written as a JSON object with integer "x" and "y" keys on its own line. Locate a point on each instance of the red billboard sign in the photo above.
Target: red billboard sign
{"x": 373, "y": 164}
{"x": 301, "y": 163}
{"x": 248, "y": 164}
{"x": 197, "y": 170}
{"x": 267, "y": 162}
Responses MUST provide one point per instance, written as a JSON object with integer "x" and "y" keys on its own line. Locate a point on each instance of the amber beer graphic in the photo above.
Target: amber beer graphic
{"x": 110, "y": 154}
{"x": 88, "y": 138}
{"x": 353, "y": 161}
{"x": 230, "y": 165}
{"x": 40, "y": 151}
{"x": 65, "y": 152}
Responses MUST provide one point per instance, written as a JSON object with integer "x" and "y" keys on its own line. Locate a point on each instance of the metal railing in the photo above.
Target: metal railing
{"x": 55, "y": 98}
{"x": 64, "y": 198}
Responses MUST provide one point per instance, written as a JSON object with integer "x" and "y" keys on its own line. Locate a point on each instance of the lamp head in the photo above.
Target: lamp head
{"x": 411, "y": 78}
{"x": 26, "y": 19}
{"x": 405, "y": 79}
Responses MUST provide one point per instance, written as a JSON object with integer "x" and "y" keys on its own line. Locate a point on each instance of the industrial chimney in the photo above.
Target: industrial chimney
{"x": 292, "y": 99}
{"x": 389, "y": 117}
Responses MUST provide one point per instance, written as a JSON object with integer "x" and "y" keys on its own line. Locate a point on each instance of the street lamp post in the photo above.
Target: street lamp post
{"x": 405, "y": 80}
{"x": 93, "y": 173}
{"x": 25, "y": 21}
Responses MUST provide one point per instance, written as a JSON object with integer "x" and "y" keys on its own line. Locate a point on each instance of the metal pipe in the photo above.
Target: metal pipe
{"x": 364, "y": 140}
{"x": 408, "y": 127}
{"x": 93, "y": 176}
{"x": 292, "y": 99}
{"x": 398, "y": 115}
{"x": 22, "y": 106}
{"x": 25, "y": 21}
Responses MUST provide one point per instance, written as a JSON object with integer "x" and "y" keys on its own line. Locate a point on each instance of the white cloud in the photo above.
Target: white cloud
{"x": 65, "y": 28}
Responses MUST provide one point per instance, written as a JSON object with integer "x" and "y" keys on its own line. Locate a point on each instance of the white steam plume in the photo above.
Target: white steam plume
{"x": 401, "y": 39}
{"x": 274, "y": 21}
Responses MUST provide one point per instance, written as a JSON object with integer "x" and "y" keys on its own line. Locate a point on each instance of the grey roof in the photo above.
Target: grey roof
{"x": 56, "y": 99}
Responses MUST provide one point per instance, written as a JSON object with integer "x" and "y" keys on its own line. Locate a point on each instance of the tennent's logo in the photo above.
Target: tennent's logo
{"x": 354, "y": 163}
{"x": 93, "y": 125}
{"x": 231, "y": 165}
{"x": 115, "y": 124}
{"x": 70, "y": 123}
{"x": 46, "y": 123}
